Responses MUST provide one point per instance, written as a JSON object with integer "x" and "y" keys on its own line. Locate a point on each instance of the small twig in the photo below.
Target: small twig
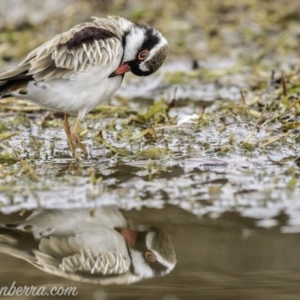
{"x": 296, "y": 101}
{"x": 255, "y": 127}
{"x": 272, "y": 80}
{"x": 265, "y": 122}
{"x": 9, "y": 136}
{"x": 172, "y": 103}
{"x": 153, "y": 132}
{"x": 202, "y": 112}
{"x": 162, "y": 127}
{"x": 284, "y": 92}
{"x": 28, "y": 170}
{"x": 233, "y": 114}
{"x": 243, "y": 98}
{"x": 150, "y": 130}
{"x": 276, "y": 139}
{"x": 22, "y": 109}
{"x": 84, "y": 132}
{"x": 7, "y": 114}
{"x": 6, "y": 148}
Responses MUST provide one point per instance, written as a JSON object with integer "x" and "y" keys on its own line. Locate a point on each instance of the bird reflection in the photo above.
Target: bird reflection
{"x": 92, "y": 245}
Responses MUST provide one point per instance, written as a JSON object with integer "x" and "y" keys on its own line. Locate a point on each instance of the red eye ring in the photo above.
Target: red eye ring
{"x": 143, "y": 54}
{"x": 150, "y": 256}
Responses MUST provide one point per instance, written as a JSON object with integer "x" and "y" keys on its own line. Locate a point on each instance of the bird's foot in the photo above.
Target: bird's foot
{"x": 73, "y": 137}
{"x": 75, "y": 140}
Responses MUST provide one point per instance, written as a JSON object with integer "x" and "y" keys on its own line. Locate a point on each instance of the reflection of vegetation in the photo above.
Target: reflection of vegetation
{"x": 233, "y": 47}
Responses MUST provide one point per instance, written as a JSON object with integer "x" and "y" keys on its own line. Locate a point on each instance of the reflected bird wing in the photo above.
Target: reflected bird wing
{"x": 79, "y": 244}
{"x": 69, "y": 256}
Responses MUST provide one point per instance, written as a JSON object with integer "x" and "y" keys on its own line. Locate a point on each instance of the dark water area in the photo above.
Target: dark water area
{"x": 226, "y": 258}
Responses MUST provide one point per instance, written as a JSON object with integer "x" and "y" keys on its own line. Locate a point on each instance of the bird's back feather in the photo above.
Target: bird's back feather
{"x": 85, "y": 46}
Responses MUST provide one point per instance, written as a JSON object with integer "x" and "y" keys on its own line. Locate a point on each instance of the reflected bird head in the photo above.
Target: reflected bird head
{"x": 153, "y": 254}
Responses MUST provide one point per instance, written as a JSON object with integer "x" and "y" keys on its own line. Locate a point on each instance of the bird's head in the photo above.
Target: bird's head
{"x": 145, "y": 50}
{"x": 152, "y": 253}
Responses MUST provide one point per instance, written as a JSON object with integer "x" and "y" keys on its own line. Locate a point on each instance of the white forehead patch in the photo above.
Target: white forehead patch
{"x": 162, "y": 42}
{"x": 149, "y": 239}
{"x": 134, "y": 41}
{"x": 163, "y": 261}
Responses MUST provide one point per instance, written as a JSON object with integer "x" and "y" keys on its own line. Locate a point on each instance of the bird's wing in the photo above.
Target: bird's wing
{"x": 83, "y": 47}
{"x": 68, "y": 256}
{"x": 82, "y": 265}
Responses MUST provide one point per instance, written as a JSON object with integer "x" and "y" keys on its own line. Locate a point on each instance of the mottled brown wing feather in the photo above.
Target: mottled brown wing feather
{"x": 88, "y": 35}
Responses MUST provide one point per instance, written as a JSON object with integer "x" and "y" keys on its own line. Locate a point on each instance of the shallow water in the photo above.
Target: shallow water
{"x": 225, "y": 258}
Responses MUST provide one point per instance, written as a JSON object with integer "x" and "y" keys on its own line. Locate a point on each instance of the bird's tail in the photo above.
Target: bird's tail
{"x": 10, "y": 245}
{"x": 16, "y": 243}
{"x": 15, "y": 251}
{"x": 13, "y": 80}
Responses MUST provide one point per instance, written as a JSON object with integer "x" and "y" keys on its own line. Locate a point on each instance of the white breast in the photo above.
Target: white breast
{"x": 76, "y": 95}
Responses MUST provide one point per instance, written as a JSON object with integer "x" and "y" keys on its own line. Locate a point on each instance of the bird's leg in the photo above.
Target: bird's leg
{"x": 68, "y": 133}
{"x": 75, "y": 137}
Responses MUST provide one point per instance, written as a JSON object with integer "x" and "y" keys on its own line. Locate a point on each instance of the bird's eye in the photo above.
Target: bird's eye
{"x": 143, "y": 54}
{"x": 150, "y": 256}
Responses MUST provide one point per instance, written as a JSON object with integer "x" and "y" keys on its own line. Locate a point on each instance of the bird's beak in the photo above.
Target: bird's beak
{"x": 124, "y": 68}
{"x": 129, "y": 236}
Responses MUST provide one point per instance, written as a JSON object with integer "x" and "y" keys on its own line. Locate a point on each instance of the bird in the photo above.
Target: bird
{"x": 89, "y": 245}
{"x": 81, "y": 68}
